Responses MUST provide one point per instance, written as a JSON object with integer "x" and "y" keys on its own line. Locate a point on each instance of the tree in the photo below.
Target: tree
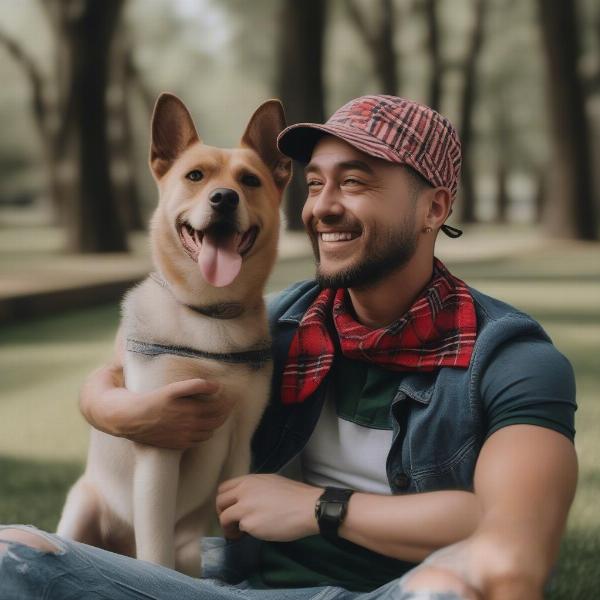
{"x": 469, "y": 95}
{"x": 569, "y": 208}
{"x": 71, "y": 118}
{"x": 93, "y": 218}
{"x": 125, "y": 80}
{"x": 43, "y": 114}
{"x": 379, "y": 39}
{"x": 300, "y": 79}
{"x": 433, "y": 49}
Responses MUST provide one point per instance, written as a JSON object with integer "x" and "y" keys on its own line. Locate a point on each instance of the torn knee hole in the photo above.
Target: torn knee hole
{"x": 27, "y": 538}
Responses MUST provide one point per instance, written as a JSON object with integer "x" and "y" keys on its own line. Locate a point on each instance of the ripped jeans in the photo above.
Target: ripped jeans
{"x": 80, "y": 572}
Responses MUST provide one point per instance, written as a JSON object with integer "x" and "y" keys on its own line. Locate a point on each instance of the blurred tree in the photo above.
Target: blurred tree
{"x": 300, "y": 80}
{"x": 85, "y": 31}
{"x": 124, "y": 78}
{"x": 44, "y": 120}
{"x": 71, "y": 117}
{"x": 435, "y": 55}
{"x": 379, "y": 39}
{"x": 504, "y": 142}
{"x": 570, "y": 209}
{"x": 468, "y": 100}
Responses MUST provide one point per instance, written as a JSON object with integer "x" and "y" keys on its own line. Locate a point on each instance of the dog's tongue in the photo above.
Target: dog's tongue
{"x": 218, "y": 259}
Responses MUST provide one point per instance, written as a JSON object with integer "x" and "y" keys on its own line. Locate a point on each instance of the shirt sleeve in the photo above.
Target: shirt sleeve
{"x": 529, "y": 381}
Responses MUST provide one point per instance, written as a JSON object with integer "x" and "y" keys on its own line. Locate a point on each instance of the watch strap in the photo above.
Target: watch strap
{"x": 331, "y": 509}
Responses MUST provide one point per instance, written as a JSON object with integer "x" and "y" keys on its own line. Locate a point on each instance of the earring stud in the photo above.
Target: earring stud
{"x": 428, "y": 230}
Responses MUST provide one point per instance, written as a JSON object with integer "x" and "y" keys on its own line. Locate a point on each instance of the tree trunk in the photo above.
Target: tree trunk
{"x": 385, "y": 55}
{"x": 125, "y": 183}
{"x": 300, "y": 80}
{"x": 570, "y": 209}
{"x": 41, "y": 116}
{"x": 502, "y": 197}
{"x": 469, "y": 93}
{"x": 433, "y": 47}
{"x": 380, "y": 42}
{"x": 94, "y": 220}
{"x": 539, "y": 198}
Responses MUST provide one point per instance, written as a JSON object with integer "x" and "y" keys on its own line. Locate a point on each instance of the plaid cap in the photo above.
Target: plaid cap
{"x": 392, "y": 128}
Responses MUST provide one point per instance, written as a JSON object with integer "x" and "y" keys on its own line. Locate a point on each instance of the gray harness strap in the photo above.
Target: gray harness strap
{"x": 255, "y": 358}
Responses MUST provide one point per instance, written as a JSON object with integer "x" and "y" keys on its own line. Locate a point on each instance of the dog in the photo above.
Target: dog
{"x": 201, "y": 314}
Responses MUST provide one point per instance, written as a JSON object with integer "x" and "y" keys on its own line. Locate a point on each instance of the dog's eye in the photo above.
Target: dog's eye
{"x": 251, "y": 180}
{"x": 195, "y": 175}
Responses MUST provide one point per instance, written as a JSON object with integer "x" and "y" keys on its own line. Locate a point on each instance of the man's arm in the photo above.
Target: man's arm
{"x": 524, "y": 484}
{"x": 178, "y": 415}
{"x": 525, "y": 478}
{"x": 408, "y": 527}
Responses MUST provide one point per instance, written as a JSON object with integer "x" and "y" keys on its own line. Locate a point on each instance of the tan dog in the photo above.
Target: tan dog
{"x": 214, "y": 241}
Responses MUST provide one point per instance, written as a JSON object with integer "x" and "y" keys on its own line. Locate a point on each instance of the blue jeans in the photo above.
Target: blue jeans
{"x": 81, "y": 572}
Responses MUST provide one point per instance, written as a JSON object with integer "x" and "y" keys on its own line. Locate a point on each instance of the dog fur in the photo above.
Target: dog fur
{"x": 155, "y": 503}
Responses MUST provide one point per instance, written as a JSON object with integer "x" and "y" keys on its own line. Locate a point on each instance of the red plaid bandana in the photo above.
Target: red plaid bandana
{"x": 438, "y": 330}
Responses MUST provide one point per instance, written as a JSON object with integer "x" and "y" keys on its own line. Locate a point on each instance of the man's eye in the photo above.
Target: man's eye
{"x": 313, "y": 182}
{"x": 251, "y": 180}
{"x": 195, "y": 175}
{"x": 351, "y": 181}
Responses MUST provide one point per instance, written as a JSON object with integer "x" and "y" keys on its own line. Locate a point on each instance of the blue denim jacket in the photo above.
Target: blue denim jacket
{"x": 437, "y": 417}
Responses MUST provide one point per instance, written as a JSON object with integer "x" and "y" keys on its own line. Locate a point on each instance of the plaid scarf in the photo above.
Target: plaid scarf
{"x": 438, "y": 330}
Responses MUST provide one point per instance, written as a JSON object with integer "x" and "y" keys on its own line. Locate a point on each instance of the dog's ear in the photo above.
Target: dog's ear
{"x": 172, "y": 132}
{"x": 261, "y": 134}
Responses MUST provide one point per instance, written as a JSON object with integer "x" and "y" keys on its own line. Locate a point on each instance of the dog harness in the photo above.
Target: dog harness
{"x": 255, "y": 358}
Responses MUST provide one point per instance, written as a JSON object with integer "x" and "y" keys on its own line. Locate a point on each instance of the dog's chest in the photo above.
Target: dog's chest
{"x": 167, "y": 341}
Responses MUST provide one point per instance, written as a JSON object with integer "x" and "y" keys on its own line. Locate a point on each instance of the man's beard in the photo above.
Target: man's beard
{"x": 380, "y": 258}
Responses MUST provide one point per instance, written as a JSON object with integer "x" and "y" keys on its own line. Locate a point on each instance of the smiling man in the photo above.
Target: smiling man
{"x": 408, "y": 410}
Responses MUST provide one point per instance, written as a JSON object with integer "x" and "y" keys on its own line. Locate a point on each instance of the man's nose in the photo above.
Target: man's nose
{"x": 327, "y": 203}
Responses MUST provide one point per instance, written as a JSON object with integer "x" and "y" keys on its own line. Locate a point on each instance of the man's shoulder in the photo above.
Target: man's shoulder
{"x": 498, "y": 321}
{"x": 510, "y": 339}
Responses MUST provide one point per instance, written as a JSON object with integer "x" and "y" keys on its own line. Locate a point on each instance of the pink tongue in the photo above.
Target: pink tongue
{"x": 219, "y": 260}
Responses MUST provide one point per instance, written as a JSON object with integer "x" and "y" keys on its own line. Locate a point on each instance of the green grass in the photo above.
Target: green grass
{"x": 42, "y": 363}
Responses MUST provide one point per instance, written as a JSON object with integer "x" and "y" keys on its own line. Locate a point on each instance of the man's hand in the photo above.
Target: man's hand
{"x": 268, "y": 507}
{"x": 525, "y": 479}
{"x": 178, "y": 415}
{"x": 485, "y": 566}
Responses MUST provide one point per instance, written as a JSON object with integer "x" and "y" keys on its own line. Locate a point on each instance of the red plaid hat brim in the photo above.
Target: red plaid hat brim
{"x": 298, "y": 141}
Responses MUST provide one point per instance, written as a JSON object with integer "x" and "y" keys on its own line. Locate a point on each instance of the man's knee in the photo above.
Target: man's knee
{"x": 27, "y": 537}
{"x": 438, "y": 580}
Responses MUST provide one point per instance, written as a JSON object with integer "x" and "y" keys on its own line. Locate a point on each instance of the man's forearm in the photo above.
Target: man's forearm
{"x": 101, "y": 397}
{"x": 410, "y": 527}
{"x": 526, "y": 478}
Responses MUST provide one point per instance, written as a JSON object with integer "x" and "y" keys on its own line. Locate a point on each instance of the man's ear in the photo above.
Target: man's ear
{"x": 440, "y": 206}
{"x": 261, "y": 135}
{"x": 172, "y": 132}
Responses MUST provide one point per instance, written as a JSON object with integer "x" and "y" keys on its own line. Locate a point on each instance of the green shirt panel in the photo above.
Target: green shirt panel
{"x": 315, "y": 561}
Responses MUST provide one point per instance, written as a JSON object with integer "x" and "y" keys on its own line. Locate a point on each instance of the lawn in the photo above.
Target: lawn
{"x": 42, "y": 363}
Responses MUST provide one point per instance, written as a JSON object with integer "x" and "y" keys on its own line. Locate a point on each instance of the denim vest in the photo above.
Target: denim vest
{"x": 437, "y": 416}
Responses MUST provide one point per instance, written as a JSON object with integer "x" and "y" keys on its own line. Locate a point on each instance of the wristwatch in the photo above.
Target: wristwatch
{"x": 330, "y": 510}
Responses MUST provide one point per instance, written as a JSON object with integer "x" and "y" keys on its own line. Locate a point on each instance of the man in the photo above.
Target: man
{"x": 409, "y": 411}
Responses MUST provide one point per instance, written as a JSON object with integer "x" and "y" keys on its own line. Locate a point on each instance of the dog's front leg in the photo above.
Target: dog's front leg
{"x": 155, "y": 486}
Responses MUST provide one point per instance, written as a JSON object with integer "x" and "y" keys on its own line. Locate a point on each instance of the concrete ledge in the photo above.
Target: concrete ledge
{"x": 26, "y": 306}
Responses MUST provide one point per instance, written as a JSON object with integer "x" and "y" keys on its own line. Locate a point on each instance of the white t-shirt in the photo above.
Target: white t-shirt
{"x": 344, "y": 454}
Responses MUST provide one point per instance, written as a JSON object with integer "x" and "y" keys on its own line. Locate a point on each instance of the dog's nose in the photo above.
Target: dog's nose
{"x": 224, "y": 200}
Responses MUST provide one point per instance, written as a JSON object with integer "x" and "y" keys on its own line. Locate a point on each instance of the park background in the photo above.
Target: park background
{"x": 519, "y": 78}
